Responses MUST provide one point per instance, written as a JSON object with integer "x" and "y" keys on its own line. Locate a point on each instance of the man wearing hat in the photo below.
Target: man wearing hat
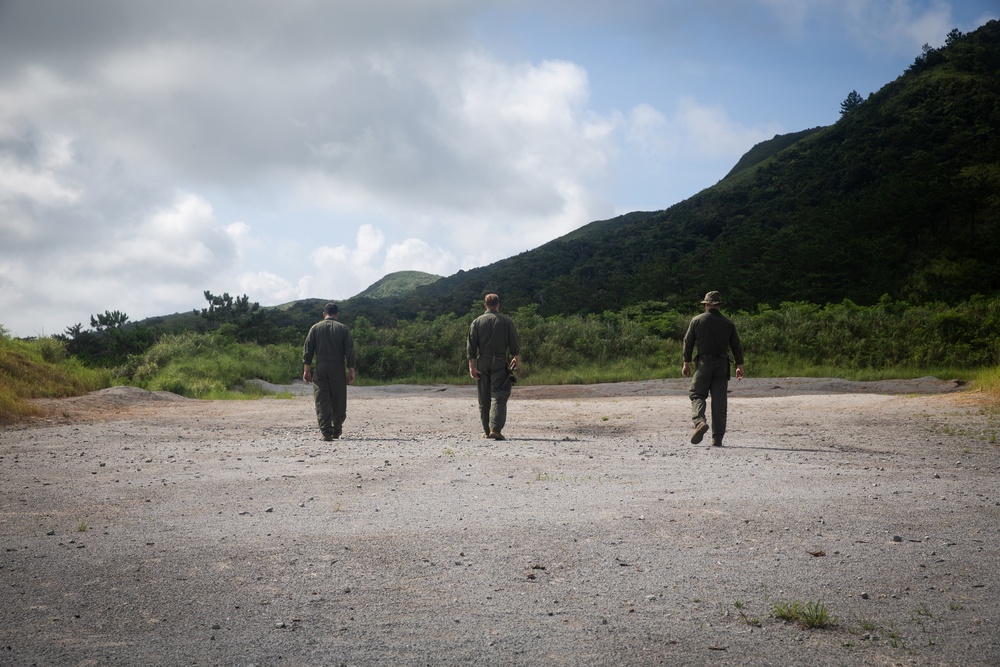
{"x": 714, "y": 335}
{"x": 331, "y": 343}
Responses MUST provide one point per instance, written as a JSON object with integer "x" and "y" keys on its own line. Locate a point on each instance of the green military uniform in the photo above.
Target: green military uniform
{"x": 331, "y": 343}
{"x": 491, "y": 337}
{"x": 714, "y": 335}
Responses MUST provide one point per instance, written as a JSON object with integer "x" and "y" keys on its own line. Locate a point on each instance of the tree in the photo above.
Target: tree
{"x": 108, "y": 320}
{"x": 853, "y": 101}
{"x": 227, "y": 309}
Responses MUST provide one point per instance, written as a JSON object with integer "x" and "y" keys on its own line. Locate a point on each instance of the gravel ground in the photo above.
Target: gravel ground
{"x": 146, "y": 529}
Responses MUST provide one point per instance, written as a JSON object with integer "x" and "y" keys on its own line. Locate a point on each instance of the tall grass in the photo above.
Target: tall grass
{"x": 988, "y": 380}
{"x": 207, "y": 366}
{"x": 40, "y": 369}
{"x": 884, "y": 341}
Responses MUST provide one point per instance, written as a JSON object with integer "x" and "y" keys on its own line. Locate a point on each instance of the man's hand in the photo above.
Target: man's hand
{"x": 514, "y": 363}
{"x": 686, "y": 369}
{"x": 473, "y": 371}
{"x": 350, "y": 376}
{"x": 307, "y": 375}
{"x": 739, "y": 372}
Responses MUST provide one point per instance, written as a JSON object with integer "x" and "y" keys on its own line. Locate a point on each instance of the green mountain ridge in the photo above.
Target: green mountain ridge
{"x": 899, "y": 197}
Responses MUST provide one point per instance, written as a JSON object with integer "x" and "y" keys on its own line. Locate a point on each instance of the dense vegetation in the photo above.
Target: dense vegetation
{"x": 901, "y": 196}
{"x": 890, "y": 217}
{"x": 888, "y": 339}
{"x": 40, "y": 369}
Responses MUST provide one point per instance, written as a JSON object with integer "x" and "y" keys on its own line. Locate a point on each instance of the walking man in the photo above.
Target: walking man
{"x": 491, "y": 336}
{"x": 714, "y": 335}
{"x": 331, "y": 343}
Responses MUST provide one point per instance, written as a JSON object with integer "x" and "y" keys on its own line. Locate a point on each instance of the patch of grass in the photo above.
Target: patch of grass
{"x": 82, "y": 527}
{"x": 811, "y": 615}
{"x": 206, "y": 366}
{"x": 40, "y": 368}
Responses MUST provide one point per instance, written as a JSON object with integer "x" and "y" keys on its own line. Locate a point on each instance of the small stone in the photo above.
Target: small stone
{"x": 864, "y": 596}
{"x": 897, "y": 538}
{"x": 269, "y": 509}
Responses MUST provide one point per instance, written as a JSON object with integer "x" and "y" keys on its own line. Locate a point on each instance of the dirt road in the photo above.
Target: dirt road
{"x": 148, "y": 529}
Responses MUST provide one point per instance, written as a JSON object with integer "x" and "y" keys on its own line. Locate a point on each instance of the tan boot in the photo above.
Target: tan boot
{"x": 699, "y": 432}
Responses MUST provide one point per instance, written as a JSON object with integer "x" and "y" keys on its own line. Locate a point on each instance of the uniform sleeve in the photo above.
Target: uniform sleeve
{"x": 736, "y": 346}
{"x": 689, "y": 339}
{"x": 309, "y": 347}
{"x": 472, "y": 343}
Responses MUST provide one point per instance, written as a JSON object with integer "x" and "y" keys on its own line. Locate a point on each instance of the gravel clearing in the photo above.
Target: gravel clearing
{"x": 144, "y": 528}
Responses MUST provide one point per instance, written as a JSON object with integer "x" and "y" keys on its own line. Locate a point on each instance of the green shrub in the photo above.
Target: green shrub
{"x": 40, "y": 368}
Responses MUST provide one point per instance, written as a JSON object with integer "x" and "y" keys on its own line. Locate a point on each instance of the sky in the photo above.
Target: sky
{"x": 291, "y": 149}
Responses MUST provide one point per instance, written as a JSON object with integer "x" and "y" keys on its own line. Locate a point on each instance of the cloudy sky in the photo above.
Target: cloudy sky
{"x": 287, "y": 149}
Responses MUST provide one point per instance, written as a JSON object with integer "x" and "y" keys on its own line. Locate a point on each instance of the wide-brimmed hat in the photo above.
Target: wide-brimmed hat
{"x": 713, "y": 299}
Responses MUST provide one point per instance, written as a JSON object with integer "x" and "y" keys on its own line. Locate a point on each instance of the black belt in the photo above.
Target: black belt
{"x": 713, "y": 356}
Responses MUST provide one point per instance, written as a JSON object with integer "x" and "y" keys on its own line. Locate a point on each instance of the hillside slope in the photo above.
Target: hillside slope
{"x": 396, "y": 284}
{"x": 899, "y": 197}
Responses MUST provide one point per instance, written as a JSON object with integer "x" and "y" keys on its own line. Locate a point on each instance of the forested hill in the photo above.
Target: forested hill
{"x": 901, "y": 196}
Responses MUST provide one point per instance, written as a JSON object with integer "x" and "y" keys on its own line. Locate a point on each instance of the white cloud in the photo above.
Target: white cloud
{"x": 418, "y": 255}
{"x": 900, "y": 26}
{"x": 344, "y": 271}
{"x": 706, "y": 130}
{"x": 152, "y": 150}
{"x": 268, "y": 288}
{"x": 648, "y": 129}
{"x": 184, "y": 239}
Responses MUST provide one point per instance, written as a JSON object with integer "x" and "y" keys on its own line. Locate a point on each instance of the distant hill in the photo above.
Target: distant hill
{"x": 397, "y": 284}
{"x": 901, "y": 196}
{"x": 303, "y": 313}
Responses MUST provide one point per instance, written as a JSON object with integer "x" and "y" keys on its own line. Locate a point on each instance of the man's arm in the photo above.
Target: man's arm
{"x": 688, "y": 349}
{"x": 472, "y": 350}
{"x": 308, "y": 348}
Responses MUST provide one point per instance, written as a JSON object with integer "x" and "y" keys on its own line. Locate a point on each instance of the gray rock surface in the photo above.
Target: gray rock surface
{"x": 146, "y": 529}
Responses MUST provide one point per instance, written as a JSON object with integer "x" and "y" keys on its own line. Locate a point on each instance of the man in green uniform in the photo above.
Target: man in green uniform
{"x": 491, "y": 336}
{"x": 331, "y": 343}
{"x": 714, "y": 335}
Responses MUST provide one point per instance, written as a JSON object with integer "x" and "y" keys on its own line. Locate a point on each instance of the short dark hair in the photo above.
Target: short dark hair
{"x": 330, "y": 309}
{"x": 492, "y": 301}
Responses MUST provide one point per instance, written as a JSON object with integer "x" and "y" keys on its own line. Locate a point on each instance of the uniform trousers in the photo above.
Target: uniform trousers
{"x": 711, "y": 378}
{"x": 330, "y": 395}
{"x": 494, "y": 389}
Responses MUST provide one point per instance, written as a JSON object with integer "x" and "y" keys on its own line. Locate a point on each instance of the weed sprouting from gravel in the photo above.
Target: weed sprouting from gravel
{"x": 812, "y": 615}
